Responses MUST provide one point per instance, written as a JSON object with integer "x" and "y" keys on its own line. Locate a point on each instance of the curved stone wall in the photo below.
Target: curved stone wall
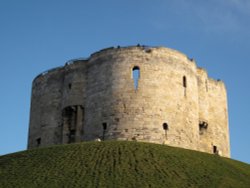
{"x": 173, "y": 102}
{"x": 46, "y": 103}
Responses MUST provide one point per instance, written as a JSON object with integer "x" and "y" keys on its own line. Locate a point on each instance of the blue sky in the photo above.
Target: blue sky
{"x": 39, "y": 35}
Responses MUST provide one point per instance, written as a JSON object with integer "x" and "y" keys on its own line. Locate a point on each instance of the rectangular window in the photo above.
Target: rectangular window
{"x": 38, "y": 142}
{"x": 215, "y": 150}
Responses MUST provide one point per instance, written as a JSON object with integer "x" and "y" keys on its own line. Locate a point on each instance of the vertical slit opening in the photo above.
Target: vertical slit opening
{"x": 136, "y": 76}
{"x": 165, "y": 128}
{"x": 215, "y": 150}
{"x": 38, "y": 142}
{"x": 104, "y": 127}
{"x": 184, "y": 81}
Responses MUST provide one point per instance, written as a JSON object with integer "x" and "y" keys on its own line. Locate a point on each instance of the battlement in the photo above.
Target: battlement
{"x": 140, "y": 93}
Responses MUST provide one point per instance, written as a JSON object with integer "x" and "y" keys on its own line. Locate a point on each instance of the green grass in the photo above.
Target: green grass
{"x": 120, "y": 164}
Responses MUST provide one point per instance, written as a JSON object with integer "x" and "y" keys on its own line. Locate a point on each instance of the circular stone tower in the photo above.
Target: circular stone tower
{"x": 150, "y": 94}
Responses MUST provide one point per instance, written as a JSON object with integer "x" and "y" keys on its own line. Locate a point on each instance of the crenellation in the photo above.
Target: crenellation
{"x": 170, "y": 101}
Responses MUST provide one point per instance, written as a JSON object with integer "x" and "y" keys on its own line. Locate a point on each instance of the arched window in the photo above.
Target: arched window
{"x": 184, "y": 81}
{"x": 136, "y": 76}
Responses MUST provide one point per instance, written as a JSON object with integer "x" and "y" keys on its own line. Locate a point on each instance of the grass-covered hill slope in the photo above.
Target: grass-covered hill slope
{"x": 120, "y": 164}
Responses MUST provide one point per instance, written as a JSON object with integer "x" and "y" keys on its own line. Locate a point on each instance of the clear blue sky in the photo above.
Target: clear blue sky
{"x": 39, "y": 35}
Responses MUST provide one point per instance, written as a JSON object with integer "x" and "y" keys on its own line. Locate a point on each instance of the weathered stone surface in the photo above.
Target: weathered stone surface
{"x": 95, "y": 99}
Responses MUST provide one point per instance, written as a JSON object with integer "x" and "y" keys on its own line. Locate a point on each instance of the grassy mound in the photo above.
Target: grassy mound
{"x": 120, "y": 164}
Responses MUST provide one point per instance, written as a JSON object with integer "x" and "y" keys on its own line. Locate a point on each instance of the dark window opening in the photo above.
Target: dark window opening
{"x": 215, "y": 150}
{"x": 136, "y": 76}
{"x": 203, "y": 127}
{"x": 38, "y": 142}
{"x": 184, "y": 81}
{"x": 165, "y": 126}
{"x": 104, "y": 126}
{"x": 70, "y": 85}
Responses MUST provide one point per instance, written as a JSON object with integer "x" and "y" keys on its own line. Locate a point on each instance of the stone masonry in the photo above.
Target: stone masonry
{"x": 149, "y": 94}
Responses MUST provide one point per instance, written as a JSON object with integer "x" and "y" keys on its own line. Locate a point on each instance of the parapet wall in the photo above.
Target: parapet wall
{"x": 173, "y": 102}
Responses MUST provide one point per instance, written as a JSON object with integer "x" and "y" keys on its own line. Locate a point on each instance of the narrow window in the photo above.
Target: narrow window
{"x": 104, "y": 126}
{"x": 215, "y": 150}
{"x": 165, "y": 127}
{"x": 184, "y": 81}
{"x": 38, "y": 142}
{"x": 136, "y": 76}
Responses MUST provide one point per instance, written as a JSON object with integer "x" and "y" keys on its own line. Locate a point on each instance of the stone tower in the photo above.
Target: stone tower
{"x": 150, "y": 94}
